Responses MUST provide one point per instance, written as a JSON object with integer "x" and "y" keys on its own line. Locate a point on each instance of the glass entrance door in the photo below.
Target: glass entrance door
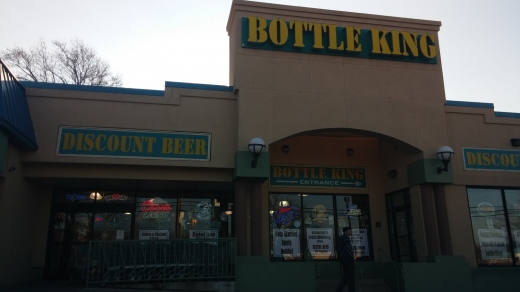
{"x": 68, "y": 244}
{"x": 400, "y": 225}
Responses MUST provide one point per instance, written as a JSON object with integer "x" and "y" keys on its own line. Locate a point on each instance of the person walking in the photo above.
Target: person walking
{"x": 346, "y": 258}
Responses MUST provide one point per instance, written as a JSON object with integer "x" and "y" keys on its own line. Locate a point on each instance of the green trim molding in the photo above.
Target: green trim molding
{"x": 425, "y": 171}
{"x": 243, "y": 167}
{"x": 4, "y": 144}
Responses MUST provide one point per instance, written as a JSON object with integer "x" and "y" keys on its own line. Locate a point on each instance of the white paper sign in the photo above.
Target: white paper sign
{"x": 286, "y": 242}
{"x": 319, "y": 242}
{"x": 360, "y": 242}
{"x": 154, "y": 234}
{"x": 203, "y": 233}
{"x": 120, "y": 234}
{"x": 493, "y": 244}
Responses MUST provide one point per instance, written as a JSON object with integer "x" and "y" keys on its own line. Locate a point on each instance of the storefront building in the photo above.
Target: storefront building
{"x": 352, "y": 110}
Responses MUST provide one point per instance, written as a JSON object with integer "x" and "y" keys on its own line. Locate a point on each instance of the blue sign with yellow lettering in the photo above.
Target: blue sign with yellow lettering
{"x": 74, "y": 141}
{"x": 332, "y": 39}
{"x": 313, "y": 176}
{"x": 491, "y": 159}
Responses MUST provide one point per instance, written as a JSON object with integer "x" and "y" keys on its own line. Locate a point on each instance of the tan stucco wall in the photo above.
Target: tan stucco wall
{"x": 181, "y": 110}
{"x": 24, "y": 218}
{"x": 331, "y": 151}
{"x": 284, "y": 93}
{"x": 478, "y": 128}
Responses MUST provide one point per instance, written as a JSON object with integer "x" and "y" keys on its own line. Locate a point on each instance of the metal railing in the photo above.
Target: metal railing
{"x": 391, "y": 272}
{"x": 15, "y": 117}
{"x": 132, "y": 261}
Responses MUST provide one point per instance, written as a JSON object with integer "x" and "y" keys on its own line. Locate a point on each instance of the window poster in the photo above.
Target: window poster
{"x": 319, "y": 242}
{"x": 493, "y": 244}
{"x": 359, "y": 240}
{"x": 286, "y": 242}
{"x": 203, "y": 233}
{"x": 154, "y": 234}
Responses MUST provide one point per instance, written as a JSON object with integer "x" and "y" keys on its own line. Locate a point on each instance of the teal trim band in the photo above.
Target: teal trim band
{"x": 199, "y": 86}
{"x": 120, "y": 90}
{"x": 507, "y": 115}
{"x": 469, "y": 104}
{"x": 425, "y": 171}
{"x": 243, "y": 169}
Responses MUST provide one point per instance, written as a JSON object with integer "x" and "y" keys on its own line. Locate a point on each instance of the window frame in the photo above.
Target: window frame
{"x": 515, "y": 262}
{"x": 303, "y": 240}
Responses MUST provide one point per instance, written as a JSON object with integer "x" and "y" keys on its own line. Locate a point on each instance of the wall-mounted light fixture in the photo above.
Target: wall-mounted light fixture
{"x": 95, "y": 196}
{"x": 256, "y": 147}
{"x": 229, "y": 210}
{"x": 445, "y": 154}
{"x": 392, "y": 173}
{"x": 285, "y": 148}
{"x": 515, "y": 142}
{"x": 350, "y": 152}
{"x": 12, "y": 168}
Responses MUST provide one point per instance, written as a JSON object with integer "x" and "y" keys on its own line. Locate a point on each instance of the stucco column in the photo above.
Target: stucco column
{"x": 430, "y": 220}
{"x": 240, "y": 214}
{"x": 256, "y": 218}
{"x": 442, "y": 220}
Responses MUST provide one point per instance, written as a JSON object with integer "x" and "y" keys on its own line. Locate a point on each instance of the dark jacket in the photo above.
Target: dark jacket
{"x": 345, "y": 250}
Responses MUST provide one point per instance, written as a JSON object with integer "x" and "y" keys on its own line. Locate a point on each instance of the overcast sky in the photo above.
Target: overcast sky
{"x": 149, "y": 42}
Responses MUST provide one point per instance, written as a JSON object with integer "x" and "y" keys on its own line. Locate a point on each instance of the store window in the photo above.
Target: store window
{"x": 155, "y": 218}
{"x": 303, "y": 225}
{"x": 112, "y": 226}
{"x": 285, "y": 226}
{"x": 495, "y": 215}
{"x": 353, "y": 211}
{"x": 318, "y": 222}
{"x": 199, "y": 218}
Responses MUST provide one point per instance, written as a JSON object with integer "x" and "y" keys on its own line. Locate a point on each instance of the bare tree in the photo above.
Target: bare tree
{"x": 68, "y": 63}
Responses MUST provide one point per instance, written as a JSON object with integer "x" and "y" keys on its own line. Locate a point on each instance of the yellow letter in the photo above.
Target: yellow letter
{"x": 151, "y": 140}
{"x": 89, "y": 141}
{"x": 470, "y": 158}
{"x": 379, "y": 43}
{"x": 80, "y": 141}
{"x": 200, "y": 148}
{"x": 410, "y": 44}
{"x": 322, "y": 173}
{"x": 427, "y": 50}
{"x": 298, "y": 27}
{"x": 278, "y": 39}
{"x": 257, "y": 33}
{"x": 318, "y": 37}
{"x": 98, "y": 142}
{"x": 333, "y": 38}
{"x": 138, "y": 141}
{"x": 179, "y": 144}
{"x": 167, "y": 145}
{"x": 277, "y": 171}
{"x": 68, "y": 141}
{"x": 494, "y": 157}
{"x": 123, "y": 144}
{"x": 188, "y": 148}
{"x": 485, "y": 159}
{"x": 396, "y": 44}
{"x": 353, "y": 44}
{"x": 113, "y": 143}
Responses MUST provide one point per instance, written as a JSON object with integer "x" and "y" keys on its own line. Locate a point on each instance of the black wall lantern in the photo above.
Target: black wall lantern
{"x": 256, "y": 147}
{"x": 515, "y": 142}
{"x": 445, "y": 154}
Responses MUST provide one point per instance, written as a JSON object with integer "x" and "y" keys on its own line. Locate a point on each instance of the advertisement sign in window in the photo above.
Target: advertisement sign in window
{"x": 286, "y": 242}
{"x": 360, "y": 242}
{"x": 154, "y": 234}
{"x": 493, "y": 243}
{"x": 203, "y": 233}
{"x": 319, "y": 242}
